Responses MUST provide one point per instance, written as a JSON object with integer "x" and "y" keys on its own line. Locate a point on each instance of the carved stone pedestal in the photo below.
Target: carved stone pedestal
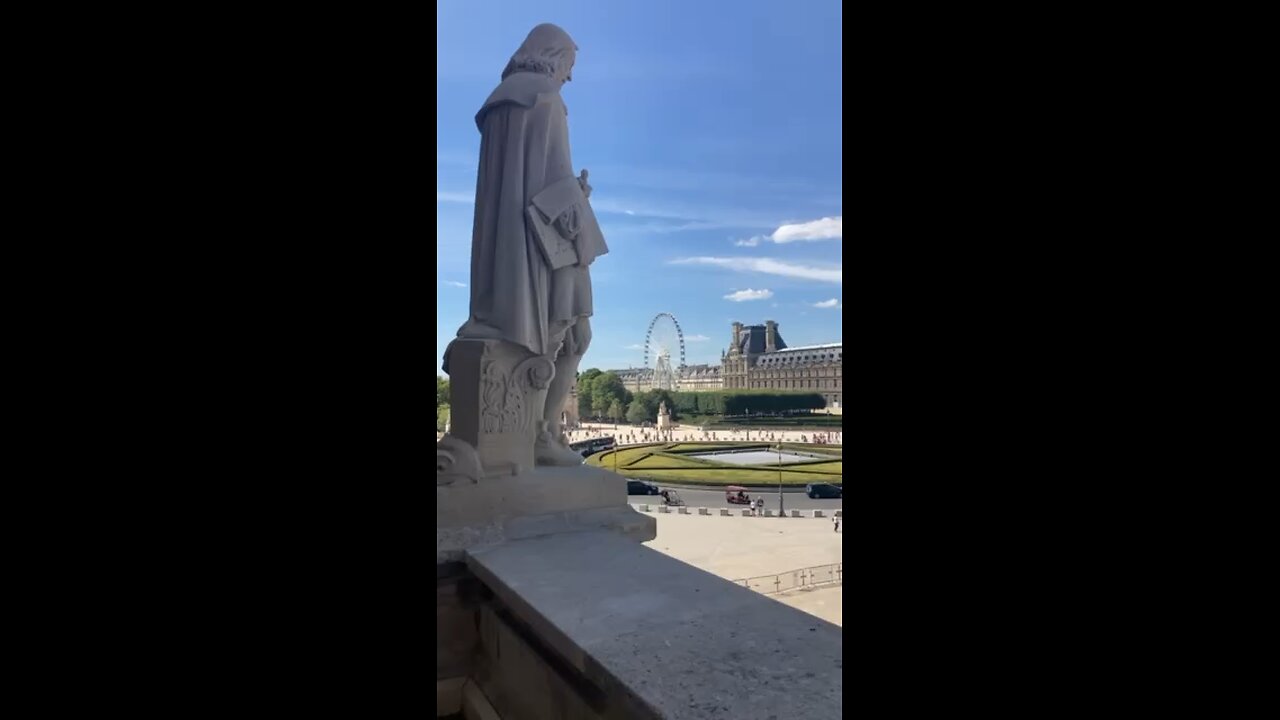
{"x": 488, "y": 489}
{"x": 497, "y": 391}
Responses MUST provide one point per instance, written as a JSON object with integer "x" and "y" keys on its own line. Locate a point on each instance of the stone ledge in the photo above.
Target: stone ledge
{"x": 531, "y": 492}
{"x": 626, "y": 522}
{"x": 595, "y": 599}
{"x": 541, "y": 501}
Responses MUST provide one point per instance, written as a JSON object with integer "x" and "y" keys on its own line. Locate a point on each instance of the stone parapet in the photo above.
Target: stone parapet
{"x": 585, "y": 607}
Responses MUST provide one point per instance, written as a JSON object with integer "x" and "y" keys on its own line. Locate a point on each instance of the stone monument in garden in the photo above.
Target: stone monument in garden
{"x": 664, "y": 416}
{"x": 514, "y": 361}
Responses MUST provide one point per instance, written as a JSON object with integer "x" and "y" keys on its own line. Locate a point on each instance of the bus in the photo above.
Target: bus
{"x": 587, "y": 448}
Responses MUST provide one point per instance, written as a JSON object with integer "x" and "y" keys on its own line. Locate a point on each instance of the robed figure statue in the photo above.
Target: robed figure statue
{"x": 535, "y": 234}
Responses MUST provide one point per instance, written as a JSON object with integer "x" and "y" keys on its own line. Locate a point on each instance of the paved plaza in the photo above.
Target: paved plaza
{"x": 741, "y": 547}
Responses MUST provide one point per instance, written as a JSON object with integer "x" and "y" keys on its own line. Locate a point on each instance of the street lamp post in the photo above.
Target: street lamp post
{"x": 780, "y": 510}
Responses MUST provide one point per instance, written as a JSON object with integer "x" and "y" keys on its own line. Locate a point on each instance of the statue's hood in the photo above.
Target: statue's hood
{"x": 521, "y": 89}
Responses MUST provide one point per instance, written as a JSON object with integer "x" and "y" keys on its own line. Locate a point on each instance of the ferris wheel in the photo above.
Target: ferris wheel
{"x": 662, "y": 341}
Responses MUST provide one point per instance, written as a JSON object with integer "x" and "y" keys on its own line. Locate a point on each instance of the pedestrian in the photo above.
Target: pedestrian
{"x": 836, "y": 521}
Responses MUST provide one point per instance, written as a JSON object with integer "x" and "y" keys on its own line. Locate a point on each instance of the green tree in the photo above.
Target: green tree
{"x": 600, "y": 405}
{"x": 442, "y": 391}
{"x": 636, "y": 412}
{"x": 442, "y": 417}
{"x": 615, "y": 410}
{"x": 585, "y": 379}
{"x": 606, "y": 388}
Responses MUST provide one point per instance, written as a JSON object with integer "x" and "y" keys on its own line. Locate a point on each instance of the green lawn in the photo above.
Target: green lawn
{"x": 667, "y": 462}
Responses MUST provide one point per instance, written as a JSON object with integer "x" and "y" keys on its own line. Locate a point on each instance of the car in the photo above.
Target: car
{"x": 824, "y": 490}
{"x": 639, "y": 487}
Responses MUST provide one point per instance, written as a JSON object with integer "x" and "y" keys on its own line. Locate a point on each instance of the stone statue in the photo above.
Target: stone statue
{"x": 535, "y": 235}
{"x": 664, "y": 416}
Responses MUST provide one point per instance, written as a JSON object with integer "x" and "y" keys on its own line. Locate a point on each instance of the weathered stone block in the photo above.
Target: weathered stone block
{"x": 456, "y": 638}
{"x": 470, "y": 514}
{"x": 497, "y": 391}
{"x": 518, "y": 679}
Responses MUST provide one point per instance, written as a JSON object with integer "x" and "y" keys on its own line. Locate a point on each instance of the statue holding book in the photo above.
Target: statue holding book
{"x": 534, "y": 238}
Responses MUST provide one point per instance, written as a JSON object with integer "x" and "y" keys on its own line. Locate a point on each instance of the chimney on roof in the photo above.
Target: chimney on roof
{"x": 737, "y": 337}
{"x": 770, "y": 336}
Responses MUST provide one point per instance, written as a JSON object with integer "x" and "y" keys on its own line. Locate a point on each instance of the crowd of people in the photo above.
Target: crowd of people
{"x": 633, "y": 435}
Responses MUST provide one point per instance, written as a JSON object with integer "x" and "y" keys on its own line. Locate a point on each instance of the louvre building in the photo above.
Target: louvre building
{"x": 757, "y": 359}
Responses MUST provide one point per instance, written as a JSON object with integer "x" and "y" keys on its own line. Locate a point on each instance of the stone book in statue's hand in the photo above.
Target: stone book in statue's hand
{"x": 556, "y": 216}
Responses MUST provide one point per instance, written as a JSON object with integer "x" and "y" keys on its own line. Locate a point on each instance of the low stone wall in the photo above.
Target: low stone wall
{"x": 728, "y": 512}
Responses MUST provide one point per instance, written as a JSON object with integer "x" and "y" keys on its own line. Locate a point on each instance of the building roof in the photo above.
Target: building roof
{"x": 817, "y": 347}
{"x": 752, "y": 339}
{"x": 805, "y": 355}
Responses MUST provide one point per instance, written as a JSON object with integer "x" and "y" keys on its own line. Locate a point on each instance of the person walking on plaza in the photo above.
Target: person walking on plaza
{"x": 836, "y": 521}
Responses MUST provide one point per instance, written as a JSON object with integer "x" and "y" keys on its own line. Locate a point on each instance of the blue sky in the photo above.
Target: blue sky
{"x": 712, "y": 133}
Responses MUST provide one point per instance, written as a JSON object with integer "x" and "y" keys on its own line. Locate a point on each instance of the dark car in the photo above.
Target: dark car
{"x": 824, "y": 490}
{"x": 637, "y": 487}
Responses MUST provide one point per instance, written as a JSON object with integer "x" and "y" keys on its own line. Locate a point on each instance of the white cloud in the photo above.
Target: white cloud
{"x": 769, "y": 266}
{"x": 455, "y": 283}
{"x": 828, "y": 303}
{"x": 683, "y": 215}
{"x": 455, "y": 197}
{"x": 828, "y": 228}
{"x": 824, "y": 229}
{"x": 635, "y": 346}
{"x": 749, "y": 294}
{"x": 696, "y": 338}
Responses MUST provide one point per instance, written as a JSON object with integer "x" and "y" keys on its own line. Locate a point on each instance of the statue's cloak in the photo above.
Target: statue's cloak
{"x": 516, "y": 295}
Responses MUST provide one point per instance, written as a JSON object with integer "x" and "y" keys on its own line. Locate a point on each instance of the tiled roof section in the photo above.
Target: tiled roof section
{"x": 832, "y": 353}
{"x": 752, "y": 339}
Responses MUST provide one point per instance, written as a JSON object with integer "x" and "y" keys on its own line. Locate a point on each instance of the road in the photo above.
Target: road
{"x": 715, "y": 499}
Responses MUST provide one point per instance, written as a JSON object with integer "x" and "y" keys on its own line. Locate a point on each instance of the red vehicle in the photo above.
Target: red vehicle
{"x": 735, "y": 495}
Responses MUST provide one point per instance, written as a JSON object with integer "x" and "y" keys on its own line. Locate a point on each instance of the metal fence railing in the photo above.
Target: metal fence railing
{"x": 794, "y": 579}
